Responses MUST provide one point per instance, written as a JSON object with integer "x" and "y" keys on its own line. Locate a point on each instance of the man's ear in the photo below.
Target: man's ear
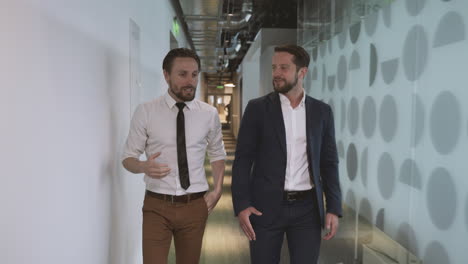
{"x": 166, "y": 76}
{"x": 303, "y": 72}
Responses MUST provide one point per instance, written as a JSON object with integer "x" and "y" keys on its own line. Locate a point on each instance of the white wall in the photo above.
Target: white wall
{"x": 65, "y": 111}
{"x": 251, "y": 79}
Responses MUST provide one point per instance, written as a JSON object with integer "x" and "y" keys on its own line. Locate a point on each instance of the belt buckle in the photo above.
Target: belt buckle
{"x": 289, "y": 196}
{"x": 169, "y": 200}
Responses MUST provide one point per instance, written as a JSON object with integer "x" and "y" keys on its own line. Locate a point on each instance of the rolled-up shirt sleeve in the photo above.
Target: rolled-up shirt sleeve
{"x": 215, "y": 148}
{"x": 137, "y": 136}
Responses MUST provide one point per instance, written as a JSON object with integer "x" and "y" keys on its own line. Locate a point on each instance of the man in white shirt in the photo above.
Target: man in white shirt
{"x": 285, "y": 162}
{"x": 175, "y": 131}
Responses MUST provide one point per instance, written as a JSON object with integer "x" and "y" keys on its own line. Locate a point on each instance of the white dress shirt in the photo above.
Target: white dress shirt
{"x": 153, "y": 129}
{"x": 297, "y": 167}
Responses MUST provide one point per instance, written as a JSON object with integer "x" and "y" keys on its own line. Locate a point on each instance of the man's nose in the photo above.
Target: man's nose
{"x": 191, "y": 80}
{"x": 274, "y": 73}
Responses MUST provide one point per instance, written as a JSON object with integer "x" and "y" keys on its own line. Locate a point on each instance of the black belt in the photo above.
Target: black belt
{"x": 291, "y": 196}
{"x": 176, "y": 199}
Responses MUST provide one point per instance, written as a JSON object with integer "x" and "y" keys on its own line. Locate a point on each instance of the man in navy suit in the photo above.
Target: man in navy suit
{"x": 285, "y": 172}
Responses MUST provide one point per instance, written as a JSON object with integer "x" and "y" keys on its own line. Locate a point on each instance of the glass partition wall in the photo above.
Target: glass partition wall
{"x": 394, "y": 73}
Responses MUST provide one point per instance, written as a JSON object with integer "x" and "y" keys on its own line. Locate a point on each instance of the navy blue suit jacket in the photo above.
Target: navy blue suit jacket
{"x": 259, "y": 168}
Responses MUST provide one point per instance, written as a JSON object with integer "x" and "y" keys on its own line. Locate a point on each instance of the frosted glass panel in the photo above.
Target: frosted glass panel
{"x": 396, "y": 76}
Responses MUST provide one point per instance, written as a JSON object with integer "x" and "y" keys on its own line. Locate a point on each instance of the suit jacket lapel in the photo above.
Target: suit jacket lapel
{"x": 309, "y": 116}
{"x": 278, "y": 120}
{"x": 311, "y": 119}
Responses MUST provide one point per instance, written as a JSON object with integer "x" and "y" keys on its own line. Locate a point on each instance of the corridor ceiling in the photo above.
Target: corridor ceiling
{"x": 222, "y": 30}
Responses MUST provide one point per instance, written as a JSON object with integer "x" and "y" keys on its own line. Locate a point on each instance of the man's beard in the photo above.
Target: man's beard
{"x": 288, "y": 86}
{"x": 180, "y": 94}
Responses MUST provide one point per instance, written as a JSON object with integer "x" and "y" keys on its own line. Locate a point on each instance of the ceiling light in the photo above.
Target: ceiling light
{"x": 229, "y": 85}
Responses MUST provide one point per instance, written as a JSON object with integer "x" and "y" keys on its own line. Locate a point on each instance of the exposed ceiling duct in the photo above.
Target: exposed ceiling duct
{"x": 235, "y": 42}
{"x": 246, "y": 14}
{"x": 222, "y": 30}
{"x": 214, "y": 28}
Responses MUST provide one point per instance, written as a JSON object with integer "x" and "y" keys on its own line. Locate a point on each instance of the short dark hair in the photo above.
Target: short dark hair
{"x": 301, "y": 57}
{"x": 177, "y": 53}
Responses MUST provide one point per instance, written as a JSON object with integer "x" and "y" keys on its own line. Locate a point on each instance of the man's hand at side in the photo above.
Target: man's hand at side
{"x": 244, "y": 221}
{"x": 331, "y": 225}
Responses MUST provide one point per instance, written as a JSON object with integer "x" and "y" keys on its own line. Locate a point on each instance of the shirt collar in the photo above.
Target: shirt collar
{"x": 301, "y": 104}
{"x": 171, "y": 102}
{"x": 285, "y": 100}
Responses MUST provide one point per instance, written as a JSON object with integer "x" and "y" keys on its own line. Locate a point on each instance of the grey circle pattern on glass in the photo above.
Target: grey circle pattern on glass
{"x": 353, "y": 116}
{"x": 364, "y": 166}
{"x": 331, "y": 82}
{"x": 389, "y": 70}
{"x": 370, "y": 23}
{"x": 373, "y": 64}
{"x": 386, "y": 176}
{"x": 388, "y": 118}
{"x": 354, "y": 32}
{"x": 314, "y": 53}
{"x": 415, "y": 53}
{"x": 342, "y": 72}
{"x": 355, "y": 61}
{"x": 369, "y": 117}
{"x": 436, "y": 254}
{"x": 387, "y": 15}
{"x": 350, "y": 199}
{"x": 417, "y": 120}
{"x": 324, "y": 78}
{"x": 451, "y": 29}
{"x": 315, "y": 74}
{"x": 342, "y": 39}
{"x": 322, "y": 49}
{"x": 414, "y": 7}
{"x": 365, "y": 210}
{"x": 343, "y": 115}
{"x": 340, "y": 148}
{"x": 410, "y": 174}
{"x": 445, "y": 122}
{"x": 380, "y": 219}
{"x": 441, "y": 198}
{"x": 407, "y": 238}
{"x": 352, "y": 162}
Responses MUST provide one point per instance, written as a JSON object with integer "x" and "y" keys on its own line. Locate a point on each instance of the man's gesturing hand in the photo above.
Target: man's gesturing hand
{"x": 154, "y": 169}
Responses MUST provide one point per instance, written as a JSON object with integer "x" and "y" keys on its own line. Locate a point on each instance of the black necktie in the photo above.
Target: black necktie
{"x": 181, "y": 148}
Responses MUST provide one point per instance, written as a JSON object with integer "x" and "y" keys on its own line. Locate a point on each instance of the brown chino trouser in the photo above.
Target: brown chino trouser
{"x": 164, "y": 219}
